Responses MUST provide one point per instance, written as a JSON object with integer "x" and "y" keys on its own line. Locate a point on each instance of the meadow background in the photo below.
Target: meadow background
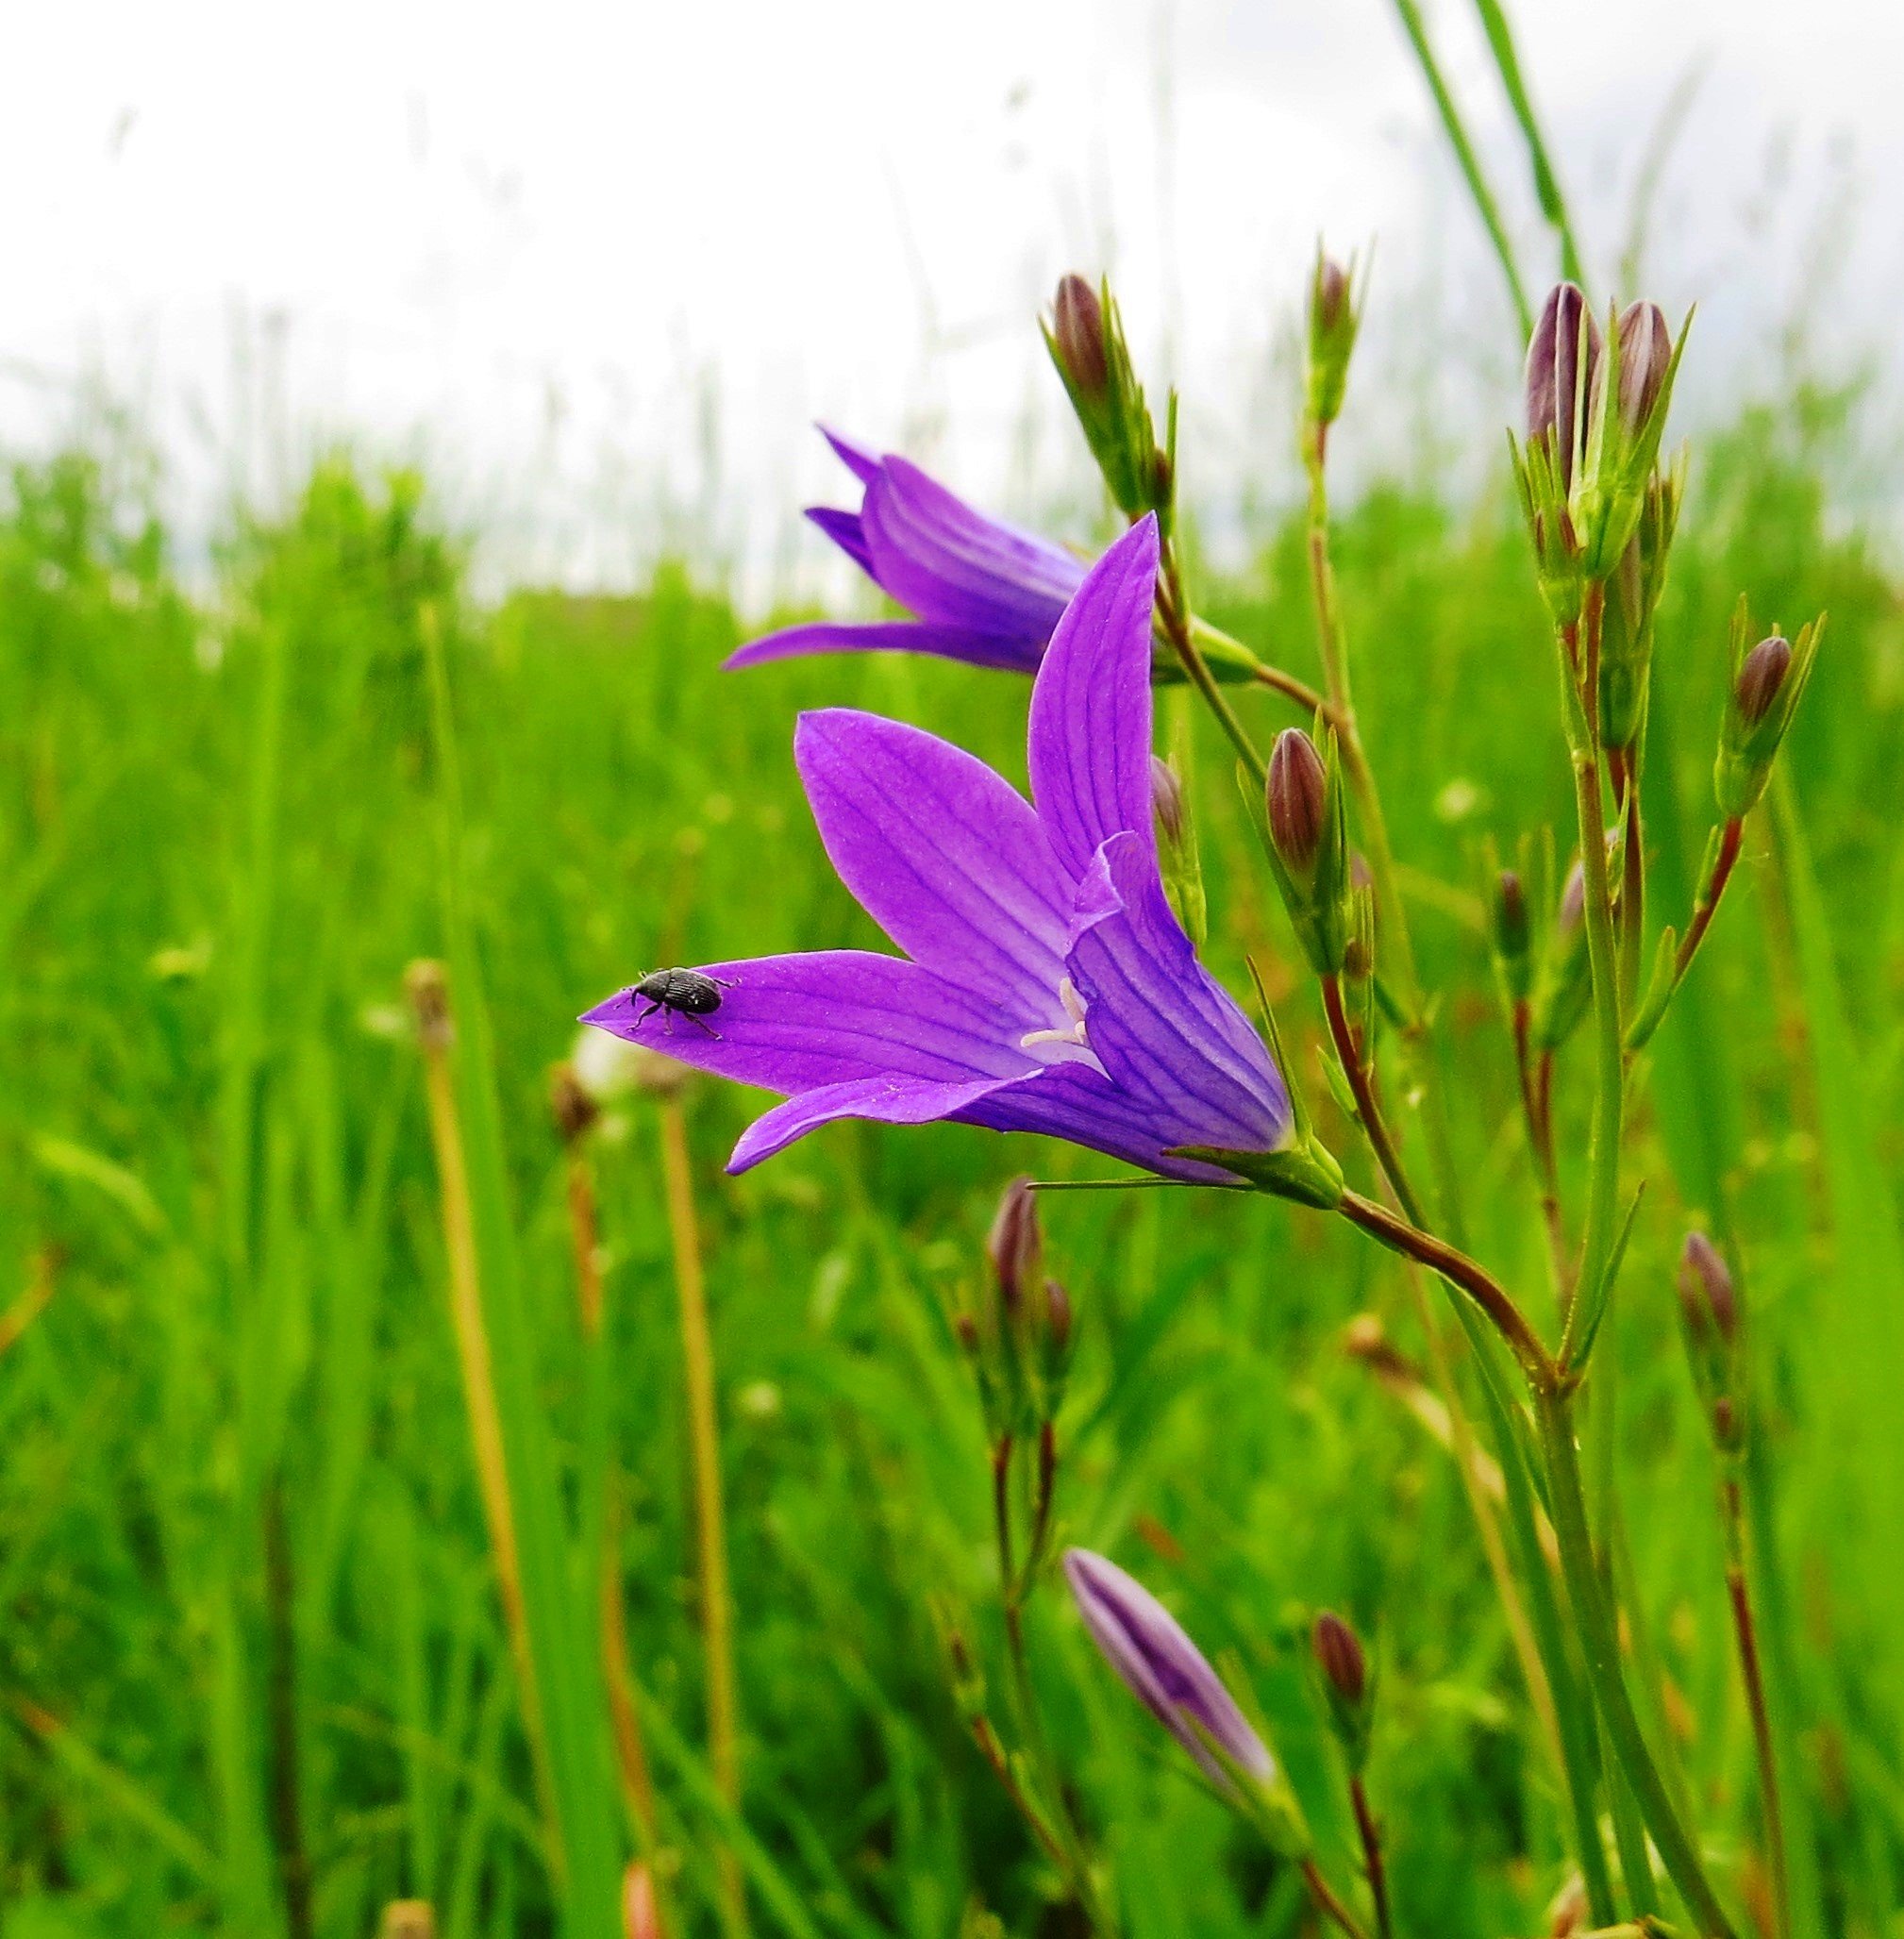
{"x": 248, "y": 1605}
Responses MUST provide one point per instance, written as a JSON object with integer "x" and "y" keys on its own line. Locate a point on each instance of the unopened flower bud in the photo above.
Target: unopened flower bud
{"x": 1646, "y": 357}
{"x": 1016, "y": 1244}
{"x": 1308, "y": 846}
{"x": 1166, "y": 799}
{"x": 1297, "y": 800}
{"x": 1512, "y": 936}
{"x": 1558, "y": 382}
{"x": 1343, "y": 1668}
{"x": 1338, "y": 1655}
{"x": 1566, "y": 984}
{"x": 1706, "y": 1290}
{"x": 1709, "y": 1309}
{"x": 1177, "y": 852}
{"x": 1768, "y": 682}
{"x": 1078, "y": 331}
{"x": 1085, "y": 337}
{"x": 1166, "y": 1671}
{"x": 1761, "y": 678}
{"x": 1058, "y": 1317}
{"x": 1334, "y": 318}
{"x": 1331, "y": 293}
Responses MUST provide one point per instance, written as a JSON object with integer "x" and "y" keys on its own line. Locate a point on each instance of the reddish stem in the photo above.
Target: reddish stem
{"x": 1708, "y": 896}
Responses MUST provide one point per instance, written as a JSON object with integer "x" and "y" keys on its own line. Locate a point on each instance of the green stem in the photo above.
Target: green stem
{"x": 1173, "y": 611}
{"x": 1739, "y": 1595}
{"x": 1610, "y": 1067}
{"x": 1056, "y": 1829}
{"x": 1547, "y": 182}
{"x": 1461, "y": 1272}
{"x": 1597, "y": 1628}
{"x": 1469, "y": 162}
{"x": 1369, "y": 1834}
{"x": 1369, "y": 1109}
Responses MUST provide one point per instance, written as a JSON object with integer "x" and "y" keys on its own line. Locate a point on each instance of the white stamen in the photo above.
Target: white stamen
{"x": 1074, "y": 1008}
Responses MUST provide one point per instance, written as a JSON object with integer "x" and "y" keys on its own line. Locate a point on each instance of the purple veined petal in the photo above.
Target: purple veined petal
{"x": 885, "y": 1100}
{"x": 888, "y": 636}
{"x": 1163, "y": 1668}
{"x": 845, "y": 530}
{"x": 1080, "y": 1105}
{"x": 862, "y": 463}
{"x": 1089, "y": 733}
{"x": 1162, "y": 1027}
{"x": 945, "y": 855}
{"x": 795, "y": 1023}
{"x": 943, "y": 560}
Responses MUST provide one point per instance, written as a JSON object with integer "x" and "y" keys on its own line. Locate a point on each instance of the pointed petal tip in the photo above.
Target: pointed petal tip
{"x": 862, "y": 463}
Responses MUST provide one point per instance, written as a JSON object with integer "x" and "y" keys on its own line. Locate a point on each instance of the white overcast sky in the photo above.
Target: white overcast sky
{"x": 601, "y": 264}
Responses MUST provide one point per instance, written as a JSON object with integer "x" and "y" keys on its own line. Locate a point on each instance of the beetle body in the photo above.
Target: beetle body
{"x": 678, "y": 992}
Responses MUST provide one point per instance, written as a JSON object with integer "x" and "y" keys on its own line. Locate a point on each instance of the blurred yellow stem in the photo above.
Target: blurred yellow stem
{"x": 698, "y": 1358}
{"x": 429, "y": 995}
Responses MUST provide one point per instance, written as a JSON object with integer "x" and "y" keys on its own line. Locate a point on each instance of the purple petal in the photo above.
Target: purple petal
{"x": 1089, "y": 739}
{"x": 1079, "y": 1103}
{"x": 945, "y": 561}
{"x": 887, "y": 1100}
{"x": 795, "y": 1023}
{"x": 1148, "y": 1649}
{"x": 891, "y": 636}
{"x": 1162, "y": 1027}
{"x": 845, "y": 530}
{"x": 943, "y": 854}
{"x": 863, "y": 464}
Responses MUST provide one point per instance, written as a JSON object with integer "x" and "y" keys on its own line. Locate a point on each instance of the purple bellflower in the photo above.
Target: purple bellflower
{"x": 1046, "y": 984}
{"x": 979, "y": 589}
{"x": 1164, "y": 1670}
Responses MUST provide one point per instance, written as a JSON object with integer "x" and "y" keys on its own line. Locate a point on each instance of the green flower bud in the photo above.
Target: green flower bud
{"x": 1077, "y": 333}
{"x": 1176, "y": 851}
{"x": 1308, "y": 848}
{"x": 1709, "y": 1323}
{"x": 1767, "y": 684}
{"x": 1566, "y": 984}
{"x": 1631, "y": 393}
{"x": 1512, "y": 935}
{"x": 1632, "y": 600}
{"x": 1085, "y": 337}
{"x": 1346, "y": 1687}
{"x": 1334, "y": 320}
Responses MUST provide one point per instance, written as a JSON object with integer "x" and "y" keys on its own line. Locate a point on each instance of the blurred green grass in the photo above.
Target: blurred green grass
{"x": 213, "y": 1150}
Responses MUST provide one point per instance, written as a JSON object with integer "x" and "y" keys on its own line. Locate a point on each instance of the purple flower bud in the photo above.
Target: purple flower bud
{"x": 1646, "y": 356}
{"x": 1016, "y": 1244}
{"x": 1296, "y": 800}
{"x": 1078, "y": 329}
{"x": 1058, "y": 1318}
{"x": 1512, "y": 932}
{"x": 1164, "y": 1670}
{"x": 1339, "y": 1658}
{"x": 1331, "y": 295}
{"x": 1556, "y": 385}
{"x": 1166, "y": 798}
{"x": 1706, "y": 1290}
{"x": 1760, "y": 678}
{"x": 1572, "y": 914}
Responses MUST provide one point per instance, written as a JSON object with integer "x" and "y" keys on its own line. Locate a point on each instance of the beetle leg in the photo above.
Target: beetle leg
{"x": 643, "y": 1016}
{"x": 705, "y": 1024}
